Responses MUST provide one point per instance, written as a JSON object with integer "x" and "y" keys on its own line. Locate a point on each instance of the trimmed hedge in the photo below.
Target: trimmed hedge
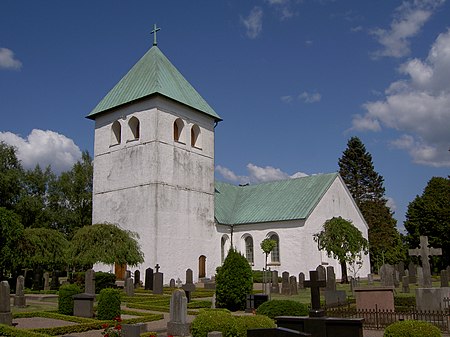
{"x": 276, "y": 308}
{"x": 65, "y": 298}
{"x": 405, "y": 301}
{"x": 108, "y": 304}
{"x": 229, "y": 325}
{"x": 410, "y": 328}
{"x": 8, "y": 331}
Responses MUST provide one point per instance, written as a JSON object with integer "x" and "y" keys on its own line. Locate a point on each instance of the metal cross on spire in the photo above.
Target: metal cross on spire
{"x": 155, "y": 29}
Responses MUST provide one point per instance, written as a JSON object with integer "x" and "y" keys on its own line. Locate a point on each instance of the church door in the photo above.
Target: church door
{"x": 119, "y": 270}
{"x": 202, "y": 266}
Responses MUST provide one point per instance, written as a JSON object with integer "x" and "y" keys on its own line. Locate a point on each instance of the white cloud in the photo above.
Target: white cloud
{"x": 253, "y": 22}
{"x": 356, "y": 29}
{"x": 44, "y": 148}
{"x": 310, "y": 97}
{"x": 390, "y": 202}
{"x": 283, "y": 8}
{"x": 7, "y": 60}
{"x": 257, "y": 174}
{"x": 408, "y": 20}
{"x": 418, "y": 107}
{"x": 286, "y": 99}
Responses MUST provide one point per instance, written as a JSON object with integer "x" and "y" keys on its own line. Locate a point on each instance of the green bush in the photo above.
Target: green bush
{"x": 103, "y": 281}
{"x": 65, "y": 298}
{"x": 276, "y": 308}
{"x": 233, "y": 282}
{"x": 108, "y": 304}
{"x": 412, "y": 329}
{"x": 7, "y": 331}
{"x": 405, "y": 301}
{"x": 230, "y": 326}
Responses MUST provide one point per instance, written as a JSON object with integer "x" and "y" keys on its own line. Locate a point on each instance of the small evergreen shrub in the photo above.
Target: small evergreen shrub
{"x": 233, "y": 282}
{"x": 276, "y": 308}
{"x": 243, "y": 323}
{"x": 103, "y": 281}
{"x": 65, "y": 298}
{"x": 411, "y": 328}
{"x": 108, "y": 304}
{"x": 405, "y": 301}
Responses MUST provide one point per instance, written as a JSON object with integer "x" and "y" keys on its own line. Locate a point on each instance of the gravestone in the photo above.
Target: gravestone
{"x": 178, "y": 325}
{"x": 285, "y": 287}
{"x": 129, "y": 286}
{"x": 179, "y": 283}
{"x": 444, "y": 278}
{"x": 148, "y": 279}
{"x": 37, "y": 279}
{"x": 275, "y": 286}
{"x": 424, "y": 252}
{"x": 370, "y": 279}
{"x": 83, "y": 305}
{"x": 19, "y": 299}
{"x": 55, "y": 280}
{"x": 301, "y": 281}
{"x": 158, "y": 281}
{"x": 387, "y": 275}
{"x": 322, "y": 272}
{"x": 401, "y": 269}
{"x": 420, "y": 277}
{"x": 189, "y": 286}
{"x": 172, "y": 283}
{"x": 405, "y": 284}
{"x": 293, "y": 285}
{"x": 412, "y": 271}
{"x": 127, "y": 274}
{"x": 371, "y": 298}
{"x": 46, "y": 281}
{"x": 89, "y": 282}
{"x": 5, "y": 304}
{"x": 133, "y": 330}
{"x": 335, "y": 298}
{"x": 315, "y": 284}
{"x": 137, "y": 278}
{"x": 396, "y": 278}
{"x": 353, "y": 284}
{"x": 331, "y": 279}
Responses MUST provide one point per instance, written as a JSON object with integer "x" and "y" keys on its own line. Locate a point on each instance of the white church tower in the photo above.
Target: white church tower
{"x": 154, "y": 167}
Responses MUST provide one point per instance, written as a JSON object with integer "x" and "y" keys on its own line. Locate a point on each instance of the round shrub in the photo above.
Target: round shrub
{"x": 104, "y": 280}
{"x": 65, "y": 298}
{"x": 276, "y": 308}
{"x": 243, "y": 323}
{"x": 233, "y": 282}
{"x": 108, "y": 304}
{"x": 212, "y": 320}
{"x": 411, "y": 328}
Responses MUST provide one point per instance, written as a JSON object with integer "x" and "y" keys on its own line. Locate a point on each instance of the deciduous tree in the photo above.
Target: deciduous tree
{"x": 11, "y": 231}
{"x": 10, "y": 176}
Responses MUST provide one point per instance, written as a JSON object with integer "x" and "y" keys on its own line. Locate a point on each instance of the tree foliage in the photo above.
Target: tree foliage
{"x": 429, "y": 214}
{"x": 342, "y": 241}
{"x": 366, "y": 187}
{"x": 11, "y": 231}
{"x": 267, "y": 245}
{"x": 10, "y": 176}
{"x": 233, "y": 282}
{"x": 106, "y": 243}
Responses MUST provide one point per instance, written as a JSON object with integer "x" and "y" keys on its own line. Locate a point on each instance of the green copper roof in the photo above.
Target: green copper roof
{"x": 153, "y": 74}
{"x": 283, "y": 200}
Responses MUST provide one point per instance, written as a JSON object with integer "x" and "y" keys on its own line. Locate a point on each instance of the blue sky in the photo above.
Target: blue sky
{"x": 293, "y": 80}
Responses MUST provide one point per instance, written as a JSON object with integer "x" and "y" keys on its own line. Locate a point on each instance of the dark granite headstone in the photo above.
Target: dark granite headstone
{"x": 83, "y": 305}
{"x": 55, "y": 280}
{"x": 301, "y": 281}
{"x": 405, "y": 284}
{"x": 137, "y": 278}
{"x": 331, "y": 279}
{"x": 322, "y": 272}
{"x": 275, "y": 288}
{"x": 412, "y": 270}
{"x": 285, "y": 286}
{"x": 293, "y": 285}
{"x": 189, "y": 286}
{"x": 172, "y": 283}
{"x": 315, "y": 284}
{"x": 148, "y": 279}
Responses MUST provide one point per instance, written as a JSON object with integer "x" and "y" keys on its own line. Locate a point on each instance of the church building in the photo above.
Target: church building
{"x": 154, "y": 175}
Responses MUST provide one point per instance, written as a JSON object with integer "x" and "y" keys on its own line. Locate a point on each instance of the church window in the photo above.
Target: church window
{"x": 249, "y": 249}
{"x": 134, "y": 128}
{"x": 195, "y": 136}
{"x": 275, "y": 254}
{"x": 116, "y": 133}
{"x": 178, "y": 126}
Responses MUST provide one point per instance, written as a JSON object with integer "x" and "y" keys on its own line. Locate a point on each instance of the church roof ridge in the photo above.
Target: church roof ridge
{"x": 281, "y": 200}
{"x": 153, "y": 74}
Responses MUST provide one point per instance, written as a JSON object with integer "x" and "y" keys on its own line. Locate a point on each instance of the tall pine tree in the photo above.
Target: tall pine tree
{"x": 366, "y": 186}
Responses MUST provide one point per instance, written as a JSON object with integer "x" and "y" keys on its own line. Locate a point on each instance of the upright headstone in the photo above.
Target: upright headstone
{"x": 322, "y": 272}
{"x": 420, "y": 278}
{"x": 370, "y": 279}
{"x": 148, "y": 279}
{"x": 158, "y": 281}
{"x": 275, "y": 286}
{"x": 19, "y": 298}
{"x": 172, "y": 283}
{"x": 396, "y": 277}
{"x": 46, "y": 281}
{"x": 424, "y": 252}
{"x": 55, "y": 280}
{"x": 401, "y": 269}
{"x": 301, "y": 281}
{"x": 387, "y": 275}
{"x": 137, "y": 278}
{"x": 178, "y": 325}
{"x": 412, "y": 271}
{"x": 129, "y": 286}
{"x": 405, "y": 284}
{"x": 37, "y": 279}
{"x": 285, "y": 287}
{"x": 315, "y": 284}
{"x": 89, "y": 282}
{"x": 189, "y": 286}
{"x": 5, "y": 304}
{"x": 293, "y": 284}
{"x": 331, "y": 279}
{"x": 444, "y": 278}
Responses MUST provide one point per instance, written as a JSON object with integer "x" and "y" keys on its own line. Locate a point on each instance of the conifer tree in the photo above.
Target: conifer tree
{"x": 366, "y": 186}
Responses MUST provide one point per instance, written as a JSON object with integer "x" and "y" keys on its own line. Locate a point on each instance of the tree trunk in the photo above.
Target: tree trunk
{"x": 344, "y": 278}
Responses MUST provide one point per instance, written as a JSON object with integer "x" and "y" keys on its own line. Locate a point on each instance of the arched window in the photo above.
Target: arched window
{"x": 134, "y": 127}
{"x": 275, "y": 254}
{"x": 178, "y": 126}
{"x": 195, "y": 136}
{"x": 249, "y": 249}
{"x": 116, "y": 133}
